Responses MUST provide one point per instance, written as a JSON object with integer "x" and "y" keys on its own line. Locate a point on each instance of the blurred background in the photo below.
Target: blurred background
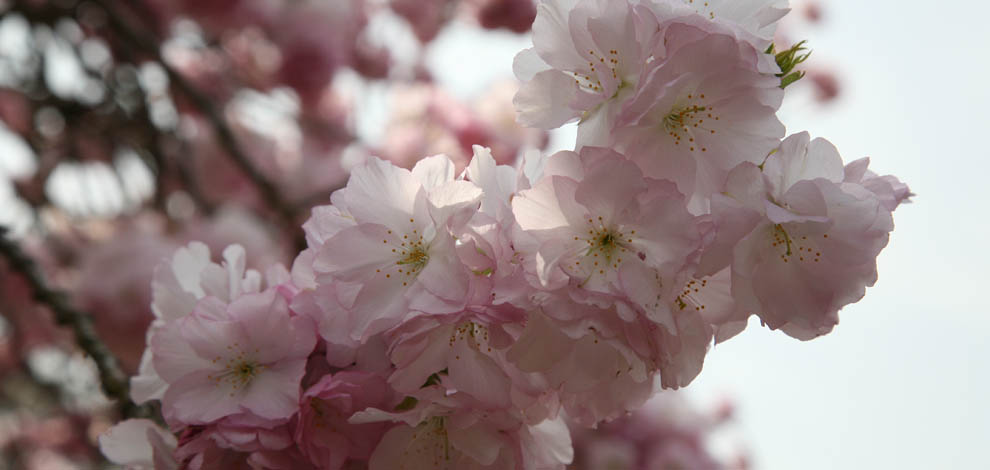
{"x": 131, "y": 127}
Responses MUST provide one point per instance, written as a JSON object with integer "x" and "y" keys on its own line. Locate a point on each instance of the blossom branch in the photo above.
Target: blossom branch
{"x": 112, "y": 378}
{"x": 227, "y": 140}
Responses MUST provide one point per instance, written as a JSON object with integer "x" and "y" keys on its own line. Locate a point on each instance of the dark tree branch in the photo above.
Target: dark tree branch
{"x": 114, "y": 381}
{"x": 149, "y": 45}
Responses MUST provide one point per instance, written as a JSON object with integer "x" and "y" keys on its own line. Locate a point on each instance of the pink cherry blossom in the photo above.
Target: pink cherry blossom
{"x": 445, "y": 431}
{"x": 489, "y": 244}
{"x": 596, "y": 372}
{"x": 754, "y": 21}
{"x": 667, "y": 432}
{"x": 221, "y": 361}
{"x": 139, "y": 444}
{"x": 467, "y": 354}
{"x": 178, "y": 284}
{"x": 616, "y": 249}
{"x": 801, "y": 242}
{"x": 700, "y": 112}
{"x": 607, "y": 233}
{"x": 249, "y": 433}
{"x": 198, "y": 450}
{"x": 585, "y": 62}
{"x": 890, "y": 190}
{"x": 397, "y": 242}
{"x": 323, "y": 433}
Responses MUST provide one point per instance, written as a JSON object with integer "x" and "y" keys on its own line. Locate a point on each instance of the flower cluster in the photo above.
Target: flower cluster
{"x": 444, "y": 319}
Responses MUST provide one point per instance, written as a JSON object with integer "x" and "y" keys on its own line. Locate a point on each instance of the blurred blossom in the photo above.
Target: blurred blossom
{"x": 267, "y": 43}
{"x": 826, "y": 83}
{"x": 301, "y": 165}
{"x": 15, "y": 111}
{"x": 495, "y": 109}
{"x": 205, "y": 68}
{"x": 115, "y": 275}
{"x": 255, "y": 57}
{"x": 316, "y": 38}
{"x": 426, "y": 120}
{"x": 46, "y": 442}
{"x": 419, "y": 125}
{"x": 424, "y": 16}
{"x": 370, "y": 60}
{"x": 666, "y": 433}
{"x": 232, "y": 224}
{"x": 214, "y": 16}
{"x": 813, "y": 11}
{"x": 514, "y": 15}
{"x": 115, "y": 285}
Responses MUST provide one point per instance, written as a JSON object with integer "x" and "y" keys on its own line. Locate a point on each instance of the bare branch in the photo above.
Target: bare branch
{"x": 149, "y": 45}
{"x": 114, "y": 381}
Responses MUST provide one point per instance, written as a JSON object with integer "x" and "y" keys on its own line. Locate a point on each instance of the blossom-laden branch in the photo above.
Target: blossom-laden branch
{"x": 112, "y": 378}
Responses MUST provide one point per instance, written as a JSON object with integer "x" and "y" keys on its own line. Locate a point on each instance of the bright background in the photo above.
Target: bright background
{"x": 903, "y": 382}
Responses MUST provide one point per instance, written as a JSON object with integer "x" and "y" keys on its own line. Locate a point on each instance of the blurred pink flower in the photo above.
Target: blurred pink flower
{"x": 426, "y": 17}
{"x": 514, "y": 15}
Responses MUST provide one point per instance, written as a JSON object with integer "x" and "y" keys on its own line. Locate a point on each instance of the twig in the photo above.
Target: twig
{"x": 113, "y": 379}
{"x": 224, "y": 134}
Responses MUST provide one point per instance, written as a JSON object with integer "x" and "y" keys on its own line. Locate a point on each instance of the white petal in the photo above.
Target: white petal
{"x": 127, "y": 442}
{"x": 527, "y": 64}
{"x": 187, "y": 264}
{"x": 543, "y": 102}
{"x": 433, "y": 171}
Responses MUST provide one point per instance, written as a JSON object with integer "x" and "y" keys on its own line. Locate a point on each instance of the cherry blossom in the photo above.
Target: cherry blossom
{"x": 447, "y": 432}
{"x": 178, "y": 284}
{"x": 667, "y": 432}
{"x": 700, "y": 112}
{"x": 221, "y": 360}
{"x": 608, "y": 233}
{"x": 395, "y": 240}
{"x": 139, "y": 444}
{"x": 585, "y": 62}
{"x": 802, "y": 243}
{"x": 324, "y": 434}
{"x": 456, "y": 311}
{"x": 754, "y": 21}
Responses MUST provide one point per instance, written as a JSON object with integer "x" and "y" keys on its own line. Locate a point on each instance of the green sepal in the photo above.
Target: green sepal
{"x": 434, "y": 379}
{"x": 485, "y": 272}
{"x": 791, "y": 78}
{"x": 787, "y": 60}
{"x": 407, "y": 404}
